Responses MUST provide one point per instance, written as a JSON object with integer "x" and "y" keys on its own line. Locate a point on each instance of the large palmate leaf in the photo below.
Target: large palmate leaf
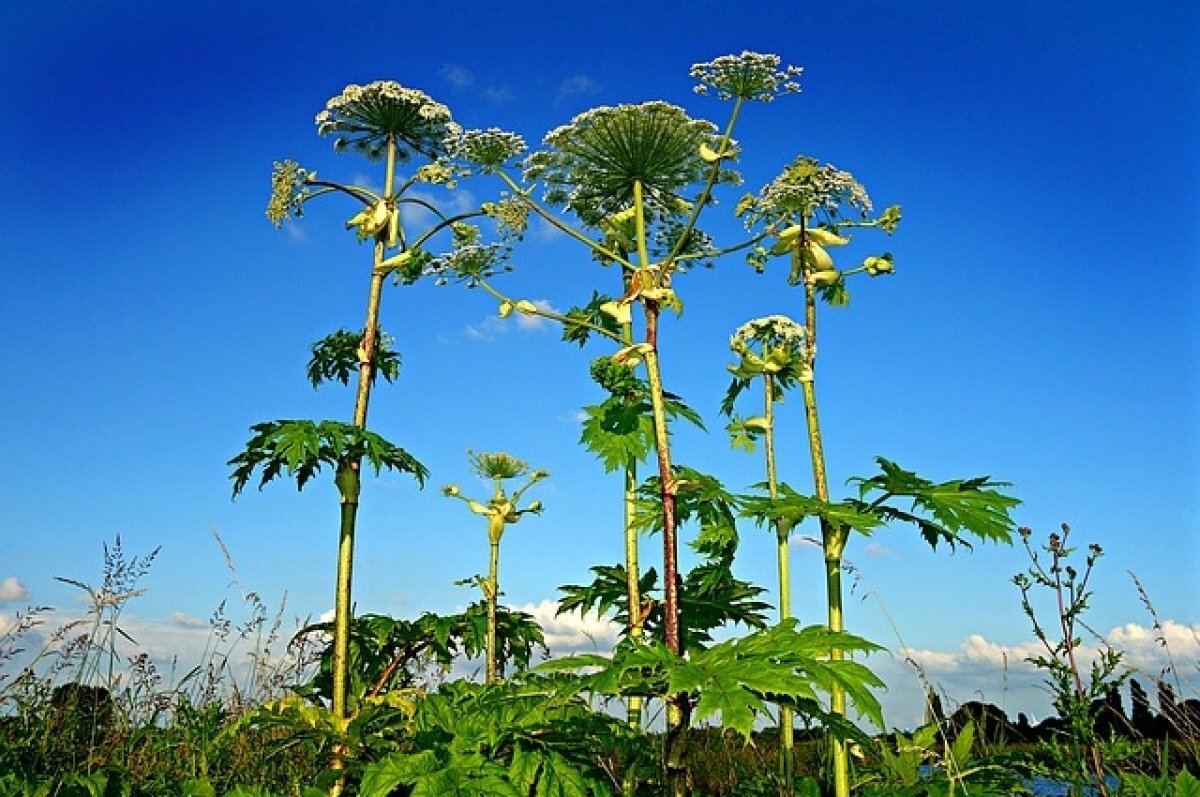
{"x": 532, "y": 738}
{"x": 941, "y": 510}
{"x": 302, "y": 448}
{"x": 617, "y": 432}
{"x": 582, "y": 321}
{"x": 699, "y": 497}
{"x": 427, "y": 775}
{"x": 388, "y": 653}
{"x": 739, "y": 679}
{"x": 792, "y": 507}
{"x": 337, "y": 356}
{"x": 608, "y": 593}
{"x": 620, "y": 429}
{"x": 711, "y": 597}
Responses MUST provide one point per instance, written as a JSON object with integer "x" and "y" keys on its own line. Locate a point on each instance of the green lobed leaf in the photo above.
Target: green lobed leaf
{"x": 301, "y": 448}
{"x": 336, "y": 357}
{"x": 591, "y": 313}
{"x": 949, "y": 508}
{"x": 792, "y": 507}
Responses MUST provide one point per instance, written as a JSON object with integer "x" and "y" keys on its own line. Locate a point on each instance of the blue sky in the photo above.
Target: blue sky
{"x": 1041, "y": 327}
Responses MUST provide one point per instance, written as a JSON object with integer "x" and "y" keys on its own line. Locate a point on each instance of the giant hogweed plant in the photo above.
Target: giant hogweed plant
{"x": 619, "y": 431}
{"x": 386, "y": 122}
{"x": 809, "y": 209}
{"x": 770, "y": 350}
{"x": 501, "y": 511}
{"x": 634, "y": 180}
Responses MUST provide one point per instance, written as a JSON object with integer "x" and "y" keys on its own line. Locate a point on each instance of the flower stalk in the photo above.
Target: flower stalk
{"x": 500, "y": 511}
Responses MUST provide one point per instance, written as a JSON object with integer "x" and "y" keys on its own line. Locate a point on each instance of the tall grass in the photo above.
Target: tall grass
{"x": 87, "y": 700}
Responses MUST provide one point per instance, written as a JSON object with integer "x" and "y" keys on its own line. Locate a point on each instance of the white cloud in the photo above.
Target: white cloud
{"x": 803, "y": 540}
{"x": 462, "y": 79}
{"x": 880, "y": 551}
{"x": 542, "y": 230}
{"x": 367, "y": 181}
{"x": 184, "y": 620}
{"x": 573, "y": 632}
{"x": 487, "y": 329}
{"x": 457, "y": 76}
{"x": 497, "y": 95}
{"x": 535, "y": 323}
{"x": 11, "y": 589}
{"x": 450, "y": 204}
{"x": 493, "y": 325}
{"x": 577, "y": 85}
{"x": 1150, "y": 649}
{"x": 999, "y": 673}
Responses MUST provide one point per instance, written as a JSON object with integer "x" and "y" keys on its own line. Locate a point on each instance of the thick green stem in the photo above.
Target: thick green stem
{"x": 782, "y": 534}
{"x": 633, "y": 589}
{"x": 678, "y": 709}
{"x": 632, "y": 572}
{"x": 833, "y": 538}
{"x": 341, "y": 619}
{"x": 667, "y": 482}
{"x": 492, "y": 593}
{"x": 662, "y": 444}
{"x": 349, "y": 513}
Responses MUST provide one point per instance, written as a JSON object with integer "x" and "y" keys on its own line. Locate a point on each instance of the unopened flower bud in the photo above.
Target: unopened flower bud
{"x": 823, "y": 279}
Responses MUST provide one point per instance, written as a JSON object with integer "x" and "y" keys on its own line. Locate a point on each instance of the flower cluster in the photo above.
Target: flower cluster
{"x": 511, "y": 215}
{"x": 365, "y": 118}
{"x": 498, "y": 465}
{"x": 774, "y": 347}
{"x": 805, "y": 189}
{"x": 439, "y": 172}
{"x": 488, "y": 149}
{"x": 590, "y": 165}
{"x": 470, "y": 263}
{"x": 287, "y": 191}
{"x": 749, "y": 76}
{"x": 773, "y": 331}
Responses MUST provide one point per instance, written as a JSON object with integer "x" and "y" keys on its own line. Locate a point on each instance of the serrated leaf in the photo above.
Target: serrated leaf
{"x": 792, "y": 508}
{"x": 591, "y": 313}
{"x": 382, "y": 777}
{"x": 301, "y": 448}
{"x": 971, "y": 505}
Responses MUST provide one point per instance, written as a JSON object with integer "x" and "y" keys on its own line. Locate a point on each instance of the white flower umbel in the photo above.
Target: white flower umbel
{"x": 749, "y": 76}
{"x": 806, "y": 188}
{"x": 590, "y": 165}
{"x": 363, "y": 118}
{"x": 488, "y": 149}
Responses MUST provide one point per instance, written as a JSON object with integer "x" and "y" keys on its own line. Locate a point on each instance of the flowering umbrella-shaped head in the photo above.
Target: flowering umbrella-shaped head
{"x": 804, "y": 190}
{"x": 590, "y": 166}
{"x": 749, "y": 76}
{"x": 774, "y": 346}
{"x": 364, "y": 118}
